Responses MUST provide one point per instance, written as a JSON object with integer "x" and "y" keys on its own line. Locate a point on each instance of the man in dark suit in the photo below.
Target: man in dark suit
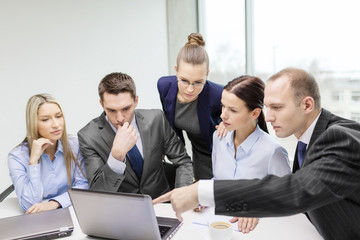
{"x": 124, "y": 147}
{"x": 326, "y": 179}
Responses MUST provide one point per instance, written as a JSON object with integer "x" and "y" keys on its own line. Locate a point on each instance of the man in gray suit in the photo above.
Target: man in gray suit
{"x": 124, "y": 147}
{"x": 326, "y": 179}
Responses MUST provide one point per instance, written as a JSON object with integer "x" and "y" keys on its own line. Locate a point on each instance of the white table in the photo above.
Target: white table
{"x": 281, "y": 228}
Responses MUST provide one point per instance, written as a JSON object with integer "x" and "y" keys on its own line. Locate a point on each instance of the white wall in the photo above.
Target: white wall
{"x": 65, "y": 47}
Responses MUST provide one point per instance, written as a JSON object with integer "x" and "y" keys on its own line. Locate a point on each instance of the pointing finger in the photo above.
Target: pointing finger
{"x": 178, "y": 215}
{"x": 163, "y": 198}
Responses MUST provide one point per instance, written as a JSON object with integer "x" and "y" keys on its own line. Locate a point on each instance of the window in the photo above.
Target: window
{"x": 305, "y": 34}
{"x": 355, "y": 116}
{"x": 337, "y": 96}
{"x": 222, "y": 24}
{"x": 355, "y": 96}
{"x": 318, "y": 36}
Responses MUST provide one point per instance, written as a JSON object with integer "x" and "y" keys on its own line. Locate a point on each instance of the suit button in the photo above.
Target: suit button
{"x": 227, "y": 209}
{"x": 239, "y": 209}
{"x": 245, "y": 206}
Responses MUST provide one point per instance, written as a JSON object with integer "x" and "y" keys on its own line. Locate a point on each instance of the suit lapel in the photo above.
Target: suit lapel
{"x": 145, "y": 134}
{"x": 106, "y": 132}
{"x": 320, "y": 127}
{"x": 170, "y": 101}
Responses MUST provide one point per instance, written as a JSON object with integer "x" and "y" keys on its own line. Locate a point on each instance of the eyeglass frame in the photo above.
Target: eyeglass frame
{"x": 195, "y": 84}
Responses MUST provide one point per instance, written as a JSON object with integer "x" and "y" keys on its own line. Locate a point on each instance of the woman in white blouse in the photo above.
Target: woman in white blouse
{"x": 247, "y": 151}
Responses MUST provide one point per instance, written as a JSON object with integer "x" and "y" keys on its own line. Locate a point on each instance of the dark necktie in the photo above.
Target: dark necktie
{"x": 301, "y": 148}
{"x": 136, "y": 161}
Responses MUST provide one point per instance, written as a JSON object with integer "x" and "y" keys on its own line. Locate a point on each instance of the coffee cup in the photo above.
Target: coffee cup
{"x": 220, "y": 230}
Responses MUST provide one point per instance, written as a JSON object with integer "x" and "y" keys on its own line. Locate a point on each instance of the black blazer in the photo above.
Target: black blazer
{"x": 209, "y": 106}
{"x": 326, "y": 187}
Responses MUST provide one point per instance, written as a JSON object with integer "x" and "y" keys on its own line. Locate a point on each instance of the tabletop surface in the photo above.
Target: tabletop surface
{"x": 194, "y": 226}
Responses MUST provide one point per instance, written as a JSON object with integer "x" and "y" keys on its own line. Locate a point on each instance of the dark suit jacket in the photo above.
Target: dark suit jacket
{"x": 209, "y": 106}
{"x": 326, "y": 187}
{"x": 157, "y": 137}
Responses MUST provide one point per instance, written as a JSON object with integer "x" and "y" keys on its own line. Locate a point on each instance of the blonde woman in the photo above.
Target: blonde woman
{"x": 47, "y": 162}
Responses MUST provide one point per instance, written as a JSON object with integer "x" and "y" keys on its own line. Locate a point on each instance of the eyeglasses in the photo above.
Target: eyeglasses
{"x": 186, "y": 83}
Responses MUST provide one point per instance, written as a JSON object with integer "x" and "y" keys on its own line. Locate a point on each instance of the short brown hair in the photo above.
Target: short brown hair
{"x": 302, "y": 83}
{"x": 193, "y": 52}
{"x": 115, "y": 83}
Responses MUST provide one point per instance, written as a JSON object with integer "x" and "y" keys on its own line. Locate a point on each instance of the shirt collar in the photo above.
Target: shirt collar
{"x": 229, "y": 138}
{"x": 249, "y": 141}
{"x": 60, "y": 147}
{"x": 306, "y": 136}
{"x": 112, "y": 126}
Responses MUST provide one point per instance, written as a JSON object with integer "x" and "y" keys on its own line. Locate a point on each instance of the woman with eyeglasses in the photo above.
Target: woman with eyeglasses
{"x": 192, "y": 103}
{"x": 247, "y": 151}
{"x": 48, "y": 161}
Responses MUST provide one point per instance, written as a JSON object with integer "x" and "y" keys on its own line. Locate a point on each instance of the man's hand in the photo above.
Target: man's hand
{"x": 182, "y": 199}
{"x": 42, "y": 207}
{"x": 124, "y": 140}
{"x": 245, "y": 225}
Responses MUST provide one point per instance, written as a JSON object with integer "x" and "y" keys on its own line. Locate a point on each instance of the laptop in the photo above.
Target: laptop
{"x": 44, "y": 225}
{"x": 120, "y": 215}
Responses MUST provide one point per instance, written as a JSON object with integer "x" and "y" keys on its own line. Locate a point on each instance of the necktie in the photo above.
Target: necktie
{"x": 301, "y": 148}
{"x": 136, "y": 161}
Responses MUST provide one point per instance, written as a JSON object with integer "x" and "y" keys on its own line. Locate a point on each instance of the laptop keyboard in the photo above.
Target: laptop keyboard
{"x": 163, "y": 229}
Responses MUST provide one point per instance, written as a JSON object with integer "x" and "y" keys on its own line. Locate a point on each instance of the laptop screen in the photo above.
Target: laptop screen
{"x": 118, "y": 215}
{"x": 45, "y": 225}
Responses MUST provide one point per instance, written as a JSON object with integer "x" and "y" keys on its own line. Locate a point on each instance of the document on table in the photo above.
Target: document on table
{"x": 208, "y": 216}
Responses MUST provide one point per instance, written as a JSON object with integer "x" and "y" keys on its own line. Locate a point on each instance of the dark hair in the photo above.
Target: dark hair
{"x": 115, "y": 83}
{"x": 193, "y": 52}
{"x": 250, "y": 89}
{"x": 303, "y": 84}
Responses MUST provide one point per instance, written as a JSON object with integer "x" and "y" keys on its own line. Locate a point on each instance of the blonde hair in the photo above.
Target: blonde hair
{"x": 32, "y": 108}
{"x": 193, "y": 52}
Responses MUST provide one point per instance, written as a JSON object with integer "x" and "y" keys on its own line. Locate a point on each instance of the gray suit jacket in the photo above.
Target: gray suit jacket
{"x": 326, "y": 187}
{"x": 158, "y": 139}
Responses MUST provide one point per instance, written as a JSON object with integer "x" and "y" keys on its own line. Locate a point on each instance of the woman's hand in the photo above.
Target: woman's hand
{"x": 38, "y": 147}
{"x": 42, "y": 207}
{"x": 221, "y": 130}
{"x": 245, "y": 225}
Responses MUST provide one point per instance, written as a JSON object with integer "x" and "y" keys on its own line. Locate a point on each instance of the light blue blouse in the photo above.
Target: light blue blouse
{"x": 258, "y": 156}
{"x": 47, "y": 179}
